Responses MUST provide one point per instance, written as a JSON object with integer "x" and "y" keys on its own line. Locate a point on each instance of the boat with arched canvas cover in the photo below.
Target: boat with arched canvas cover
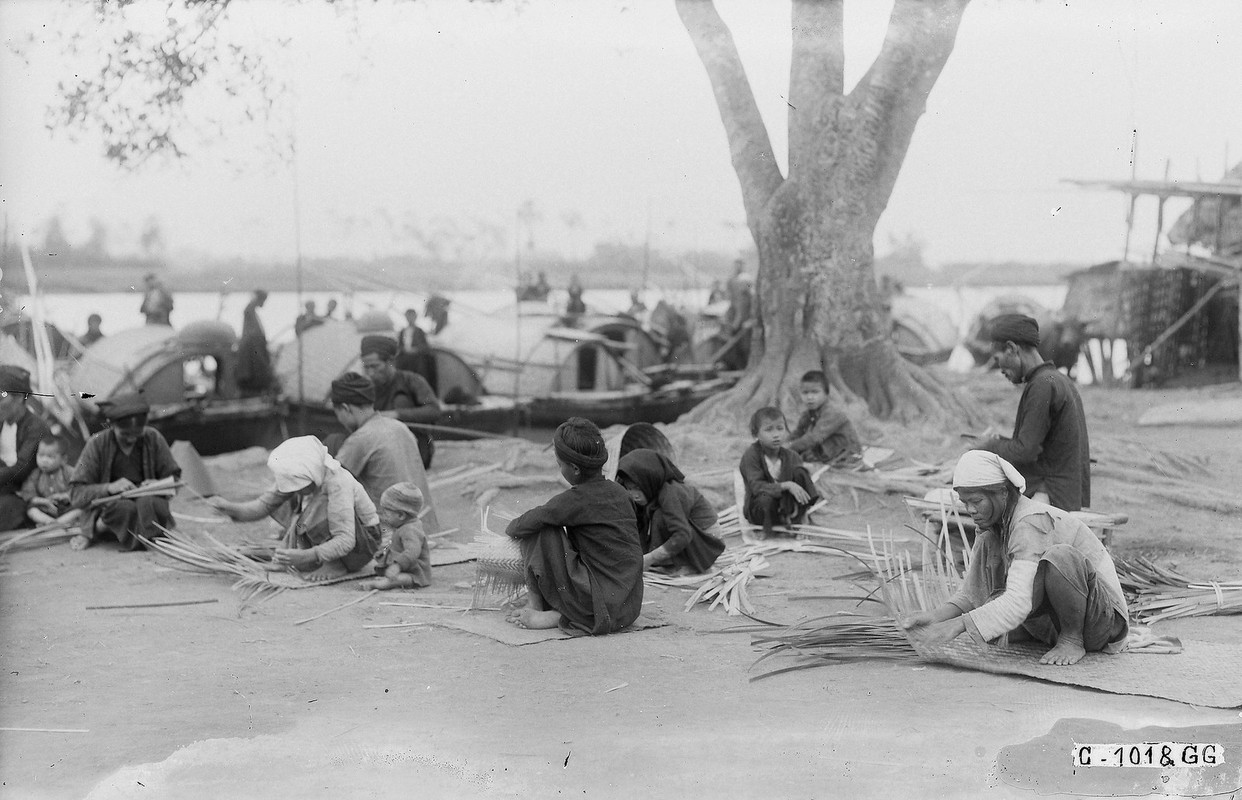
{"x": 605, "y": 368}
{"x": 306, "y": 367}
{"x": 188, "y": 378}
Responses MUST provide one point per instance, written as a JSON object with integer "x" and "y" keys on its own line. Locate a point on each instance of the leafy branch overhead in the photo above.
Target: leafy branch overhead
{"x": 151, "y": 78}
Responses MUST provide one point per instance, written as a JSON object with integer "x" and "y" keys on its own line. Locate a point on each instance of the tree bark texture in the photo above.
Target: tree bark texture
{"x": 819, "y": 307}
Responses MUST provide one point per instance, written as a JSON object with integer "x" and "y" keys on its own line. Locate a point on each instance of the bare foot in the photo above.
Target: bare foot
{"x": 79, "y": 542}
{"x": 327, "y": 572}
{"x": 538, "y": 620}
{"x": 377, "y": 583}
{"x": 1067, "y": 651}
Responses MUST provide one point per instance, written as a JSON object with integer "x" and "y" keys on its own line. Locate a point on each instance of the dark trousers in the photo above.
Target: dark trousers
{"x": 12, "y": 512}
{"x": 126, "y": 519}
{"x": 784, "y": 509}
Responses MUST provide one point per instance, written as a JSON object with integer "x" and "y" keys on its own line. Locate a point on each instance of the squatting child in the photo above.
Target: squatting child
{"x": 46, "y": 490}
{"x": 406, "y": 562}
{"x": 779, "y": 490}
{"x": 823, "y": 434}
{"x": 583, "y": 557}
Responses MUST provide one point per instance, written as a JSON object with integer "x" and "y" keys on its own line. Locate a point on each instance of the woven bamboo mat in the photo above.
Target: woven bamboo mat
{"x": 1203, "y": 674}
{"x": 492, "y": 625}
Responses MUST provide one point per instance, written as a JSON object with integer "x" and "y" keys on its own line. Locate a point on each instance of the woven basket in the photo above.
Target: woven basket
{"x": 499, "y": 569}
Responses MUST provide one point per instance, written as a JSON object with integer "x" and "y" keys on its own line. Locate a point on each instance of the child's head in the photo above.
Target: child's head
{"x": 768, "y": 427}
{"x": 814, "y": 389}
{"x": 580, "y": 449}
{"x": 51, "y": 453}
{"x": 400, "y": 503}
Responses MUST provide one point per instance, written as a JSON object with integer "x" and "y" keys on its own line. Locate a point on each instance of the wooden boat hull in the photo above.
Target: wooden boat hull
{"x": 223, "y": 426}
{"x": 624, "y": 407}
{"x": 495, "y": 416}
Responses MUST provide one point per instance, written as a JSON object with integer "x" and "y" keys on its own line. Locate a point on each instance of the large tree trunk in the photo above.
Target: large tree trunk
{"x": 819, "y": 307}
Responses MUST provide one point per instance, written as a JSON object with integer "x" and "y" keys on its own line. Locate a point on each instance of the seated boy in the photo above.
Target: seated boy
{"x": 405, "y": 563}
{"x": 779, "y": 490}
{"x": 584, "y": 560}
{"x": 823, "y": 434}
{"x": 46, "y": 490}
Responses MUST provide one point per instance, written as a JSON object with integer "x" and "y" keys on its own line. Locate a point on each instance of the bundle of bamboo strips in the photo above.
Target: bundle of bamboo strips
{"x": 1156, "y": 593}
{"x": 165, "y": 487}
{"x": 35, "y": 537}
{"x": 211, "y": 556}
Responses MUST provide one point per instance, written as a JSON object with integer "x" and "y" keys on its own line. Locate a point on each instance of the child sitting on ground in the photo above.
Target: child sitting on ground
{"x": 779, "y": 490}
{"x": 46, "y": 490}
{"x": 406, "y": 562}
{"x": 676, "y": 524}
{"x": 823, "y": 434}
{"x": 583, "y": 558}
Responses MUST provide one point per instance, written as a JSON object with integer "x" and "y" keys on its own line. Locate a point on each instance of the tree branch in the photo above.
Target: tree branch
{"x": 749, "y": 147}
{"x": 816, "y": 74}
{"x": 893, "y": 94}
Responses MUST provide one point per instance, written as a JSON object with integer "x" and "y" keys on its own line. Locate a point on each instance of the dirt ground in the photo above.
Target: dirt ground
{"x": 201, "y": 701}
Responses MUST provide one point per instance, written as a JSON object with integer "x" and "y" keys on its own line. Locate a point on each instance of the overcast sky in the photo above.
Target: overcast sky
{"x": 421, "y": 115}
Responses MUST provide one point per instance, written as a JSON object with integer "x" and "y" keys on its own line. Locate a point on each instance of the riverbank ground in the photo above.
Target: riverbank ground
{"x": 204, "y": 701}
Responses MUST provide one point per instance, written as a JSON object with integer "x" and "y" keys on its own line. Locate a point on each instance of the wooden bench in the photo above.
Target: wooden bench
{"x": 1102, "y": 524}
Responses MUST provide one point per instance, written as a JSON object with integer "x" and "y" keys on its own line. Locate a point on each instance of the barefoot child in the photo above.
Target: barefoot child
{"x": 823, "y": 434}
{"x": 334, "y": 529}
{"x": 1035, "y": 573}
{"x": 46, "y": 490}
{"x": 675, "y": 520}
{"x": 584, "y": 563}
{"x": 406, "y": 562}
{"x": 779, "y": 489}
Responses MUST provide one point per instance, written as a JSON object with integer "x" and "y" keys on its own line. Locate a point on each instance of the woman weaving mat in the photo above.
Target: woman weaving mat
{"x": 1036, "y": 573}
{"x": 334, "y": 527}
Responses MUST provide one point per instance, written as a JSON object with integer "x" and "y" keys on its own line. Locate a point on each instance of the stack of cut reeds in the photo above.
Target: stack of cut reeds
{"x": 1156, "y": 593}
{"x": 208, "y": 555}
{"x": 1144, "y": 472}
{"x": 165, "y": 487}
{"x": 24, "y": 538}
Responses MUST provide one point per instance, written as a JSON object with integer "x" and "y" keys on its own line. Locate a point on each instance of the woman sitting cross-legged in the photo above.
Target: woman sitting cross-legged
{"x": 675, "y": 521}
{"x": 584, "y": 563}
{"x": 1036, "y": 572}
{"x": 331, "y": 526}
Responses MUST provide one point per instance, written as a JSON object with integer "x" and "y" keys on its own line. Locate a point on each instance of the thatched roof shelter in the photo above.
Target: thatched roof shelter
{"x": 1199, "y": 224}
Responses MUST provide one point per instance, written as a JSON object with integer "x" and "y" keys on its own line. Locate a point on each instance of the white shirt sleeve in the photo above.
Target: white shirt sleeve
{"x": 998, "y": 617}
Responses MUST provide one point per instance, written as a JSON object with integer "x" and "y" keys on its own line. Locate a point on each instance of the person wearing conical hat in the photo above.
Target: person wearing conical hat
{"x": 1036, "y": 573}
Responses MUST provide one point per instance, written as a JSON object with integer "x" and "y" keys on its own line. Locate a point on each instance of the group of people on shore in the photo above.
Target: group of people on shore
{"x": 362, "y": 498}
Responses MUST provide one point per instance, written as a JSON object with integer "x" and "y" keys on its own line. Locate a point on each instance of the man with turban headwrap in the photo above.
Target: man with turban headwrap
{"x": 399, "y": 394}
{"x": 1049, "y": 445}
{"x": 123, "y": 456}
{"x": 584, "y": 561}
{"x": 334, "y": 528}
{"x": 1036, "y": 572}
{"x": 379, "y": 451}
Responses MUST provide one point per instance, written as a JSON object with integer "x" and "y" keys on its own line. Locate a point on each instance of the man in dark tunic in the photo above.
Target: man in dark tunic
{"x": 20, "y": 433}
{"x": 400, "y": 394}
{"x": 584, "y": 560}
{"x": 1049, "y": 445}
{"x": 123, "y": 456}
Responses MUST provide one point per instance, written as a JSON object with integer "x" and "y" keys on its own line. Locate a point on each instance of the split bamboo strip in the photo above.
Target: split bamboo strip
{"x": 400, "y": 625}
{"x": 47, "y": 730}
{"x": 371, "y": 593}
{"x": 154, "y": 605}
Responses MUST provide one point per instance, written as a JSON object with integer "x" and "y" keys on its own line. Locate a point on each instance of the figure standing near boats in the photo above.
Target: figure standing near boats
{"x": 254, "y": 360}
{"x": 93, "y": 332}
{"x": 399, "y": 394}
{"x": 125, "y": 455}
{"x": 415, "y": 353}
{"x": 436, "y": 309}
{"x": 20, "y": 433}
{"x": 576, "y": 306}
{"x": 739, "y": 322}
{"x": 157, "y": 302}
{"x": 307, "y": 319}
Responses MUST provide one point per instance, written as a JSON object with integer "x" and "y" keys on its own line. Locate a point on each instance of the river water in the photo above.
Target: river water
{"x": 120, "y": 310}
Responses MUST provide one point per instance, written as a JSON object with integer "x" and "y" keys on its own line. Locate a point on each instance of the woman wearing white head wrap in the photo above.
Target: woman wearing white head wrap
{"x": 1036, "y": 572}
{"x": 332, "y": 528}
